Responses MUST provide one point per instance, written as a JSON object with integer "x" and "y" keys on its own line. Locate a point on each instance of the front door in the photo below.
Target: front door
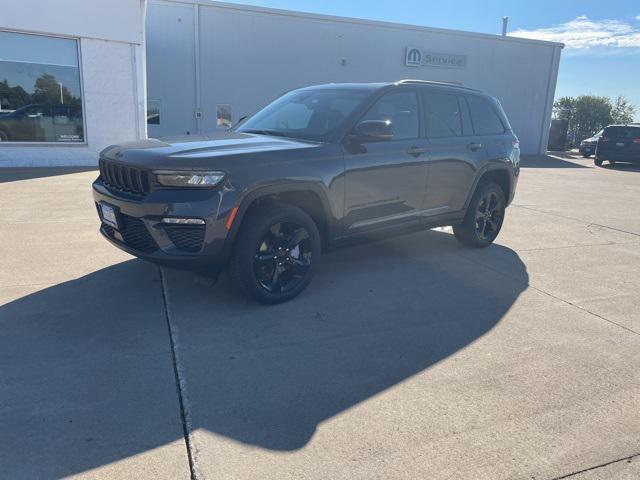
{"x": 385, "y": 181}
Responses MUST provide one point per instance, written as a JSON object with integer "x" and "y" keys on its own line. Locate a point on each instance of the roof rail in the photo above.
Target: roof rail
{"x": 432, "y": 82}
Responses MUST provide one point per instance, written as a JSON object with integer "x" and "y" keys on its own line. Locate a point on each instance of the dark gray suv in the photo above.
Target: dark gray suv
{"x": 317, "y": 167}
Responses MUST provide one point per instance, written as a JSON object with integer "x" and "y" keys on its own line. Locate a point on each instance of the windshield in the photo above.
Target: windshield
{"x": 305, "y": 114}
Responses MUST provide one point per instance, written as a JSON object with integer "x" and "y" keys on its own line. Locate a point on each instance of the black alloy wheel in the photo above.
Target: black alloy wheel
{"x": 484, "y": 217}
{"x": 276, "y": 252}
{"x": 489, "y": 216}
{"x": 283, "y": 257}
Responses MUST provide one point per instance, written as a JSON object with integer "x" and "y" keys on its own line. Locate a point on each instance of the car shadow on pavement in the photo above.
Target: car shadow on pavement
{"x": 374, "y": 315}
{"x": 87, "y": 377}
{"x": 551, "y": 161}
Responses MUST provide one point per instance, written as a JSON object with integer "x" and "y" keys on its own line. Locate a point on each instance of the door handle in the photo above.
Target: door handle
{"x": 416, "y": 151}
{"x": 473, "y": 146}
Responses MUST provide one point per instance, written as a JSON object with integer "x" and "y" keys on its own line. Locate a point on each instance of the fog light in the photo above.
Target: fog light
{"x": 183, "y": 221}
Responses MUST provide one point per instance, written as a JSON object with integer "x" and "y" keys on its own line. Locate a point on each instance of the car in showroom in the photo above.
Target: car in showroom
{"x": 318, "y": 167}
{"x": 588, "y": 145}
{"x": 619, "y": 143}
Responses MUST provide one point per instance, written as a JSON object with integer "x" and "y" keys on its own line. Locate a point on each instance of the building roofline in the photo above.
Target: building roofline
{"x": 358, "y": 21}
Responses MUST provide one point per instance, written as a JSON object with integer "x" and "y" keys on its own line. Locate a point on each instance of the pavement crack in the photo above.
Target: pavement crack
{"x": 544, "y": 292}
{"x": 568, "y": 217}
{"x": 181, "y": 387}
{"x": 595, "y": 467}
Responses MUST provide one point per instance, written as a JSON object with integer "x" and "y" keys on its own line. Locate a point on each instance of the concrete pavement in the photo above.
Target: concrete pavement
{"x": 407, "y": 358}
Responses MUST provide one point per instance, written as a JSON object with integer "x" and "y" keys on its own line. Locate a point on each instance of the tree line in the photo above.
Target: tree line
{"x": 588, "y": 114}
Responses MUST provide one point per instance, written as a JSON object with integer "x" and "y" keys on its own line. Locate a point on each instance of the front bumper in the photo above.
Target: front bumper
{"x": 587, "y": 149}
{"x": 142, "y": 233}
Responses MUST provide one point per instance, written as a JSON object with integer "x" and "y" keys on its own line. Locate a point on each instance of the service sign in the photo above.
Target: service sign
{"x": 416, "y": 57}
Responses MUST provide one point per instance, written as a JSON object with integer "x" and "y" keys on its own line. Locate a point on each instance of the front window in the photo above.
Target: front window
{"x": 40, "y": 94}
{"x": 306, "y": 114}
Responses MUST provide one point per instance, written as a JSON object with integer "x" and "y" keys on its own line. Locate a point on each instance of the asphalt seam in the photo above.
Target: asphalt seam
{"x": 589, "y": 224}
{"x": 595, "y": 467}
{"x": 549, "y": 294}
{"x": 185, "y": 406}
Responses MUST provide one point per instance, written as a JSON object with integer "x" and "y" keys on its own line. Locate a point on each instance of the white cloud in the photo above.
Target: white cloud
{"x": 583, "y": 33}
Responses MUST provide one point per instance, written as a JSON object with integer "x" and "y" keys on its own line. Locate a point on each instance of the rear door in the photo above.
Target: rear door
{"x": 455, "y": 152}
{"x": 386, "y": 180}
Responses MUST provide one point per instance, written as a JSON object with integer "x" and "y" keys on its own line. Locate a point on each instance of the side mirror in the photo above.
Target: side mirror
{"x": 373, "y": 130}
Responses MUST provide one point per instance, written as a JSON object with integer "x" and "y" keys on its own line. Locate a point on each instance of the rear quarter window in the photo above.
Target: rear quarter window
{"x": 484, "y": 116}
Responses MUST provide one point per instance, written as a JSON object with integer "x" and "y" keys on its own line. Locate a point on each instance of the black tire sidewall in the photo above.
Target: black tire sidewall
{"x": 253, "y": 228}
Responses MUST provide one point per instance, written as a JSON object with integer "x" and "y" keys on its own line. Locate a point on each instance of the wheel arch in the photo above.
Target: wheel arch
{"x": 309, "y": 197}
{"x": 497, "y": 174}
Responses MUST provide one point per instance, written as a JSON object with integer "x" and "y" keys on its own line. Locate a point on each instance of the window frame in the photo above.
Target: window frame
{"x": 421, "y": 127}
{"x": 85, "y": 140}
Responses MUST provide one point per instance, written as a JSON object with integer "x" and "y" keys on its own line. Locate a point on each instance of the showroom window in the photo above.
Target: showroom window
{"x": 40, "y": 92}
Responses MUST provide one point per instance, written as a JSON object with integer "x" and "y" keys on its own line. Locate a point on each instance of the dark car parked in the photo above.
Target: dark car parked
{"x": 588, "y": 145}
{"x": 318, "y": 167}
{"x": 619, "y": 143}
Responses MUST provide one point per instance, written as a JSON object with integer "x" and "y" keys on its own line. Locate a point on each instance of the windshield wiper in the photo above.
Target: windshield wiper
{"x": 274, "y": 133}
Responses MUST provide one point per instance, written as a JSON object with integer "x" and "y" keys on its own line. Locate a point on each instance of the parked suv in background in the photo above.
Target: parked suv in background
{"x": 317, "y": 167}
{"x": 588, "y": 145}
{"x": 619, "y": 143}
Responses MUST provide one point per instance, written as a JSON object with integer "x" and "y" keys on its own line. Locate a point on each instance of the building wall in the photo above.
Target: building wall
{"x": 246, "y": 56}
{"x": 111, "y": 37}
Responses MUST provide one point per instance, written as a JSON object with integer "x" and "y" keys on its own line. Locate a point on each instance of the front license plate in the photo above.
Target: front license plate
{"x": 619, "y": 144}
{"x": 109, "y": 215}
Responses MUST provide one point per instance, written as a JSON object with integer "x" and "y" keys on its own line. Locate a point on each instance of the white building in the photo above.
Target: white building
{"x": 208, "y": 63}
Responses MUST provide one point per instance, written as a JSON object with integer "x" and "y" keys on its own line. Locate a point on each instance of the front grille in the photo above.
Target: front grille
{"x": 186, "y": 237}
{"x": 134, "y": 233}
{"x": 125, "y": 178}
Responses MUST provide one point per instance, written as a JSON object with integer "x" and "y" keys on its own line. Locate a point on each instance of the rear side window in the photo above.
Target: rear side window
{"x": 442, "y": 115}
{"x": 399, "y": 108}
{"x": 485, "y": 119}
{"x": 622, "y": 132}
{"x": 467, "y": 126}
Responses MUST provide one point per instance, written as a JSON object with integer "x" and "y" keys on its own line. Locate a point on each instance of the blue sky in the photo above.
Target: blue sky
{"x": 602, "y": 56}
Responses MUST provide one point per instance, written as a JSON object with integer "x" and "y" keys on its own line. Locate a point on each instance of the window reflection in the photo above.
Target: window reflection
{"x": 40, "y": 95}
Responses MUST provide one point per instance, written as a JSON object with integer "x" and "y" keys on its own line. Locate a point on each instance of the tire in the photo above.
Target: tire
{"x": 597, "y": 162}
{"x": 483, "y": 221}
{"x": 586, "y": 155}
{"x": 276, "y": 253}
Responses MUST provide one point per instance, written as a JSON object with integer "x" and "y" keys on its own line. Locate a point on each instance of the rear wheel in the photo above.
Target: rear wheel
{"x": 276, "y": 253}
{"x": 484, "y": 217}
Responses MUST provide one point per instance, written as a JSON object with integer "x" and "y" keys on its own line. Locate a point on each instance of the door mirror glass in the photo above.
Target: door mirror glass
{"x": 374, "y": 130}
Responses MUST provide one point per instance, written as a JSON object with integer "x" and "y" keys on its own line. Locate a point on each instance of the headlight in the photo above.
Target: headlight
{"x": 188, "y": 178}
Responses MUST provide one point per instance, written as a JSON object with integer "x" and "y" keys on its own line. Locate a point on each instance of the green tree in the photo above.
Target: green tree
{"x": 47, "y": 90}
{"x": 623, "y": 110}
{"x": 586, "y": 115}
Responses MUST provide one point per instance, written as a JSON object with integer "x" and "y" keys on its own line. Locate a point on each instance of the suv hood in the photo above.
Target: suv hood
{"x": 198, "y": 150}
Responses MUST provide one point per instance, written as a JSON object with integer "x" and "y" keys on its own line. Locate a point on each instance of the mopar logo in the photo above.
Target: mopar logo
{"x": 414, "y": 57}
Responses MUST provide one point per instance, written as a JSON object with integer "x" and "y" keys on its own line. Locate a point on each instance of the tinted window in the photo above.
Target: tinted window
{"x": 442, "y": 114}
{"x": 485, "y": 119}
{"x": 399, "y": 108}
{"x": 310, "y": 114}
{"x": 622, "y": 132}
{"x": 40, "y": 95}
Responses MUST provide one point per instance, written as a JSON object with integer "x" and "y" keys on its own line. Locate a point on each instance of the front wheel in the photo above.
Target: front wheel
{"x": 484, "y": 217}
{"x": 276, "y": 253}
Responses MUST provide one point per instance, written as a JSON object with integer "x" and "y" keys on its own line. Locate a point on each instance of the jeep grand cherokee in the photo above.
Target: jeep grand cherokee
{"x": 317, "y": 167}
